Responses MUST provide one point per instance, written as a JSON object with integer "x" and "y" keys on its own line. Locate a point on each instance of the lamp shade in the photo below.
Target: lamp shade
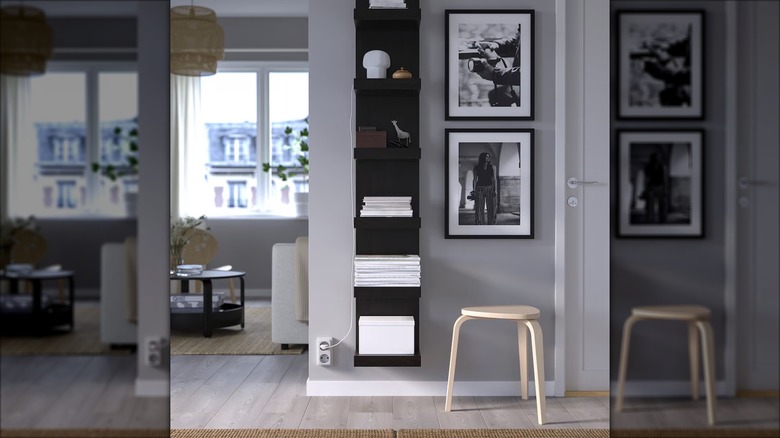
{"x": 25, "y": 41}
{"x": 197, "y": 41}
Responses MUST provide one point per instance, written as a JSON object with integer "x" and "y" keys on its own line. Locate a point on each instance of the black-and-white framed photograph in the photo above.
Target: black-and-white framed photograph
{"x": 660, "y": 64}
{"x": 660, "y": 177}
{"x": 489, "y": 184}
{"x": 489, "y": 58}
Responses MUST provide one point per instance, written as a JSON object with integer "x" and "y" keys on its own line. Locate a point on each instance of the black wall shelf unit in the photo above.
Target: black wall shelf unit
{"x": 391, "y": 171}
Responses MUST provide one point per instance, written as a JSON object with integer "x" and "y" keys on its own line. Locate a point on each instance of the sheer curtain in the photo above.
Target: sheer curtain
{"x": 14, "y": 107}
{"x": 187, "y": 182}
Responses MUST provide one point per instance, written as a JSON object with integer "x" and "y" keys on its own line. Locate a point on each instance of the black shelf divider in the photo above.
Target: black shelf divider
{"x": 387, "y": 153}
{"x": 384, "y": 292}
{"x": 388, "y": 222}
{"x": 371, "y": 360}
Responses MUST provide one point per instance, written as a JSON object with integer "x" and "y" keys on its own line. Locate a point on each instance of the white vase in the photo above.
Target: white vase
{"x": 301, "y": 203}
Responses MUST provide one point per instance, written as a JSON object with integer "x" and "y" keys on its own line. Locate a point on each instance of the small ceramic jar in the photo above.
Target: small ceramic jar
{"x": 401, "y": 73}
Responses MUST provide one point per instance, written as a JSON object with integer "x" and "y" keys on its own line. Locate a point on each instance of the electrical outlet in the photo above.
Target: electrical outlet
{"x": 154, "y": 353}
{"x": 324, "y": 353}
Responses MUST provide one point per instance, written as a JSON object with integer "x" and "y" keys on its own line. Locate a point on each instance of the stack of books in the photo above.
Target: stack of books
{"x": 387, "y": 270}
{"x": 386, "y": 206}
{"x": 387, "y": 4}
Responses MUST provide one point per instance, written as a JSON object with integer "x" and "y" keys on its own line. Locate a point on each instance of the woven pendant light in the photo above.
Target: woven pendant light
{"x": 197, "y": 41}
{"x": 25, "y": 41}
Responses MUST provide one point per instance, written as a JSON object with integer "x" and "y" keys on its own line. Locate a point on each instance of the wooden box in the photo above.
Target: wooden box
{"x": 371, "y": 139}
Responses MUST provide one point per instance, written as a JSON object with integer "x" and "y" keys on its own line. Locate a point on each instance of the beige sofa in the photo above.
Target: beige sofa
{"x": 290, "y": 293}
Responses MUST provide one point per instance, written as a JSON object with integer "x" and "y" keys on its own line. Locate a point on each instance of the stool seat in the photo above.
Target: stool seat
{"x": 502, "y": 312}
{"x": 682, "y": 313}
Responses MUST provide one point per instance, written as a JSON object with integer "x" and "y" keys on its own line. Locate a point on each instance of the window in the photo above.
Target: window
{"x": 74, "y": 111}
{"x": 244, "y": 112}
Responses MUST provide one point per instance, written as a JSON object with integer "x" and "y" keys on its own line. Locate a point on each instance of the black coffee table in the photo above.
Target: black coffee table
{"x": 227, "y": 315}
{"x": 39, "y": 319}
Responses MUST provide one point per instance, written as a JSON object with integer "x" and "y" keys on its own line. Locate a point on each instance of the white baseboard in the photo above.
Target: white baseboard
{"x": 152, "y": 387}
{"x": 387, "y": 388}
{"x": 664, "y": 388}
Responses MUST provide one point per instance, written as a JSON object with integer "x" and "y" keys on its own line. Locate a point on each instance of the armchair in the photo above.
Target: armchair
{"x": 290, "y": 293}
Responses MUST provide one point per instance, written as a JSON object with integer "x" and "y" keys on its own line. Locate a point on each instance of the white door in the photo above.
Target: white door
{"x": 757, "y": 163}
{"x": 582, "y": 196}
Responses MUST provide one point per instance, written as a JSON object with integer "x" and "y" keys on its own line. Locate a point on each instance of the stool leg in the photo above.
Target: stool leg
{"x": 522, "y": 342}
{"x": 537, "y": 348}
{"x": 453, "y": 357}
{"x": 693, "y": 354}
{"x": 624, "y": 346}
{"x": 708, "y": 355}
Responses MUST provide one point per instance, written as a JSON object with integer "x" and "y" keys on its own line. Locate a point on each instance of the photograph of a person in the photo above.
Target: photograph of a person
{"x": 660, "y": 183}
{"x": 489, "y": 183}
{"x": 660, "y": 64}
{"x": 489, "y": 59}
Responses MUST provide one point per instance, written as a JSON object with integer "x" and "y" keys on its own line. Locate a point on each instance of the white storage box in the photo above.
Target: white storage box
{"x": 386, "y": 335}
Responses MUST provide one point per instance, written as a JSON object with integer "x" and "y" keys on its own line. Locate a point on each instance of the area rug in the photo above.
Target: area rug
{"x": 255, "y": 338}
{"x": 694, "y": 433}
{"x": 84, "y": 433}
{"x": 503, "y": 433}
{"x": 282, "y": 433}
{"x": 83, "y": 340}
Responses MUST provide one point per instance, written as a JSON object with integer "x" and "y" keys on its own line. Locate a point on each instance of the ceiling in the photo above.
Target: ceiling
{"x": 223, "y": 8}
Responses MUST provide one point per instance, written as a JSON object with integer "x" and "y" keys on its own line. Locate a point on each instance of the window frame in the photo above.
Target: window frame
{"x": 264, "y": 180}
{"x": 92, "y": 136}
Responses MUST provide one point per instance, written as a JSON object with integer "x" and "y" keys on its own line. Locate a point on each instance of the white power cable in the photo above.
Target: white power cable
{"x": 352, "y": 202}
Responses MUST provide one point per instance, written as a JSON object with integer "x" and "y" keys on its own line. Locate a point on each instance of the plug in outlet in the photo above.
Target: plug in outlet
{"x": 324, "y": 353}
{"x": 154, "y": 353}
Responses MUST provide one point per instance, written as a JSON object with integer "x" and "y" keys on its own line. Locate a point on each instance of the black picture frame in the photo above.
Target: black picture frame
{"x": 512, "y": 155}
{"x": 660, "y": 64}
{"x": 509, "y": 92}
{"x": 660, "y": 184}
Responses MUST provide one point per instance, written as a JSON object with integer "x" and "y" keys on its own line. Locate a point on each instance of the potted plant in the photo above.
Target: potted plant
{"x": 300, "y": 147}
{"x": 130, "y": 168}
{"x": 9, "y": 229}
{"x": 181, "y": 234}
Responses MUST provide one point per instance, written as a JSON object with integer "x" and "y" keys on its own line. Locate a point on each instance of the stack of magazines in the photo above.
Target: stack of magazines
{"x": 386, "y": 206}
{"x": 387, "y": 4}
{"x": 387, "y": 270}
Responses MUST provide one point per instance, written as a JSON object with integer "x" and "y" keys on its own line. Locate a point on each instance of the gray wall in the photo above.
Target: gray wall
{"x": 455, "y": 273}
{"x": 246, "y": 245}
{"x": 676, "y": 271}
{"x": 259, "y": 34}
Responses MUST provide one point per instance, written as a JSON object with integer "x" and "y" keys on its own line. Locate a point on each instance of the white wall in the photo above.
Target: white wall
{"x": 455, "y": 273}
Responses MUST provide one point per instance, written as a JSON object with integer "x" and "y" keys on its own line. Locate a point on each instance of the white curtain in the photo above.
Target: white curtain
{"x": 14, "y": 107}
{"x": 187, "y": 179}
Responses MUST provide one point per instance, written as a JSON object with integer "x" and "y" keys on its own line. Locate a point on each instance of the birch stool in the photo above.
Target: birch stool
{"x": 698, "y": 319}
{"x": 526, "y": 318}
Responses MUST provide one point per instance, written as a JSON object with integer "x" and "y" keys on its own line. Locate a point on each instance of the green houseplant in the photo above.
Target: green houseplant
{"x": 128, "y": 169}
{"x": 300, "y": 149}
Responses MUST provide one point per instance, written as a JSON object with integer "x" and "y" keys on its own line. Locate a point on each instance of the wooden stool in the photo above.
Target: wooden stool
{"x": 525, "y": 316}
{"x": 698, "y": 317}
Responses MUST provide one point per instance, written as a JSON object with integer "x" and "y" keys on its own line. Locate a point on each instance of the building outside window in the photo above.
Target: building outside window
{"x": 244, "y": 111}
{"x": 73, "y": 111}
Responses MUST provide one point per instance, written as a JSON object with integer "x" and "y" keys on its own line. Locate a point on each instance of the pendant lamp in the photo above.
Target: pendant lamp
{"x": 197, "y": 41}
{"x": 25, "y": 41}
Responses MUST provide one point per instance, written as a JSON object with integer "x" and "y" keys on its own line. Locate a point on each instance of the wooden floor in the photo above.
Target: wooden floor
{"x": 270, "y": 392}
{"x": 673, "y": 413}
{"x": 75, "y": 392}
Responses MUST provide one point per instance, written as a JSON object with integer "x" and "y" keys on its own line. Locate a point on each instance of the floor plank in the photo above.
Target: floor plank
{"x": 287, "y": 405}
{"x": 244, "y": 406}
{"x": 370, "y": 413}
{"x": 185, "y": 383}
{"x": 503, "y": 413}
{"x": 588, "y": 411}
{"x": 414, "y": 413}
{"x": 557, "y": 416}
{"x": 464, "y": 414}
{"x": 198, "y": 409}
{"x": 326, "y": 413}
